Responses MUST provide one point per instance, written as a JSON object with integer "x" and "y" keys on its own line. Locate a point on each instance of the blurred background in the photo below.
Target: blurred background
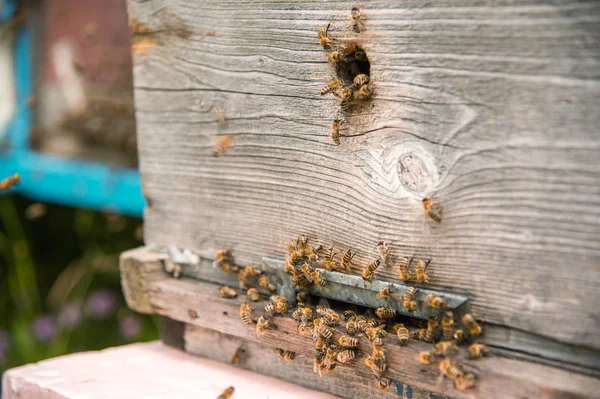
{"x": 67, "y": 127}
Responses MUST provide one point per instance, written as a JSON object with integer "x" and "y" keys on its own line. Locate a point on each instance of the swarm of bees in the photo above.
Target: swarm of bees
{"x": 351, "y": 66}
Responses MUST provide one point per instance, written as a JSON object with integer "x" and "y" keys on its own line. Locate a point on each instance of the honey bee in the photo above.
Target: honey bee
{"x": 473, "y": 327}
{"x": 346, "y": 355}
{"x": 323, "y": 38}
{"x": 385, "y": 312}
{"x": 433, "y": 211}
{"x": 227, "y": 292}
{"x": 323, "y": 329}
{"x": 238, "y": 356}
{"x": 348, "y": 341}
{"x": 10, "y": 181}
{"x": 376, "y": 332}
{"x": 321, "y": 343}
{"x": 404, "y": 266}
{"x": 357, "y": 20}
{"x": 347, "y": 260}
{"x": 222, "y": 145}
{"x": 426, "y": 357}
{"x": 383, "y": 383}
{"x": 286, "y": 355}
{"x": 384, "y": 253}
{"x": 377, "y": 342}
{"x": 432, "y": 325}
{"x": 270, "y": 308}
{"x": 264, "y": 282}
{"x": 334, "y": 57}
{"x": 317, "y": 248}
{"x": 288, "y": 266}
{"x": 449, "y": 369}
{"x": 435, "y": 302}
{"x": 330, "y": 262}
{"x": 402, "y": 333}
{"x": 302, "y": 244}
{"x": 477, "y": 350}
{"x": 349, "y": 314}
{"x": 227, "y": 393}
{"x": 220, "y": 115}
{"x": 369, "y": 271}
{"x": 334, "y": 133}
{"x": 419, "y": 333}
{"x": 250, "y": 271}
{"x": 460, "y": 335}
{"x": 306, "y": 269}
{"x": 365, "y": 92}
{"x": 386, "y": 292}
{"x": 263, "y": 324}
{"x": 347, "y": 98}
{"x": 253, "y": 295}
{"x": 448, "y": 325}
{"x": 360, "y": 80}
{"x": 351, "y": 327}
{"x": 305, "y": 330}
{"x": 421, "y": 276}
{"x": 408, "y": 299}
{"x": 329, "y": 316}
{"x": 444, "y": 348}
{"x": 246, "y": 313}
{"x": 303, "y": 314}
{"x": 317, "y": 278}
{"x": 466, "y": 381}
{"x": 379, "y": 358}
{"x": 243, "y": 279}
{"x": 281, "y": 304}
{"x": 373, "y": 365}
{"x": 361, "y": 323}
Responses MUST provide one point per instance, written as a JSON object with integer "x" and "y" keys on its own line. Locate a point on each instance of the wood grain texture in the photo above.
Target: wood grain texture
{"x": 198, "y": 304}
{"x": 492, "y": 109}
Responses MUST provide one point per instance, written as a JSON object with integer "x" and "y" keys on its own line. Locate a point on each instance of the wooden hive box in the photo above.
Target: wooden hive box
{"x": 490, "y": 109}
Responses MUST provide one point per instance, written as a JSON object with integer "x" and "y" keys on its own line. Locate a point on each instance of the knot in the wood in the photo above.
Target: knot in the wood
{"x": 417, "y": 174}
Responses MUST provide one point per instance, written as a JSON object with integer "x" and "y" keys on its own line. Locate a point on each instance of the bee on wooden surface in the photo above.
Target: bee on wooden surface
{"x": 264, "y": 282}
{"x": 220, "y": 115}
{"x": 435, "y": 302}
{"x": 383, "y": 383}
{"x": 323, "y": 37}
{"x": 379, "y": 358}
{"x": 320, "y": 343}
{"x": 460, "y": 335}
{"x": 449, "y": 369}
{"x": 329, "y": 316}
{"x": 433, "y": 211}
{"x": 357, "y": 20}
{"x": 469, "y": 321}
{"x": 303, "y": 314}
{"x": 376, "y": 332}
{"x": 432, "y": 325}
{"x": 448, "y": 326}
{"x": 419, "y": 334}
{"x": 445, "y": 348}
{"x": 227, "y": 292}
{"x": 365, "y": 92}
{"x": 351, "y": 327}
{"x": 334, "y": 133}
{"x": 346, "y": 355}
{"x": 402, "y": 333}
{"x": 420, "y": 269}
{"x": 373, "y": 365}
{"x": 360, "y": 80}
{"x": 330, "y": 262}
{"x": 253, "y": 295}
{"x": 306, "y": 330}
{"x": 465, "y": 381}
{"x": 477, "y": 350}
{"x": 334, "y": 57}
{"x": 281, "y": 304}
{"x": 369, "y": 271}
{"x": 238, "y": 356}
{"x": 302, "y": 244}
{"x": 263, "y": 324}
{"x": 347, "y": 260}
{"x": 227, "y": 393}
{"x": 348, "y": 341}
{"x": 361, "y": 323}
{"x": 386, "y": 292}
{"x": 286, "y": 355}
{"x": 323, "y": 329}
{"x": 385, "y": 312}
{"x": 222, "y": 145}
{"x": 377, "y": 342}
{"x": 349, "y": 314}
{"x": 10, "y": 181}
{"x": 270, "y": 308}
{"x": 317, "y": 278}
{"x": 408, "y": 299}
{"x": 404, "y": 266}
{"x": 317, "y": 248}
{"x": 246, "y": 313}
{"x": 347, "y": 98}
{"x": 384, "y": 253}
{"x": 426, "y": 357}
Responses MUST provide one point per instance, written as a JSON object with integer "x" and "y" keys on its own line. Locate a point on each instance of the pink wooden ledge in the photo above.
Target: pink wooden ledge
{"x": 148, "y": 370}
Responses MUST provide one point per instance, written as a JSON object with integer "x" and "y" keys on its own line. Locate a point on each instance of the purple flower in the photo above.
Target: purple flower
{"x": 130, "y": 327}
{"x": 69, "y": 315}
{"x": 101, "y": 304}
{"x": 44, "y": 328}
{"x": 4, "y": 341}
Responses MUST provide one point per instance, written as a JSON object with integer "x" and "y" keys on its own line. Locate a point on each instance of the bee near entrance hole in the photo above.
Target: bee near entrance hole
{"x": 353, "y": 62}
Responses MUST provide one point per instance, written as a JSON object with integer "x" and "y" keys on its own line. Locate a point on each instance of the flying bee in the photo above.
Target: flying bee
{"x": 448, "y": 325}
{"x": 433, "y": 211}
{"x": 348, "y": 341}
{"x": 264, "y": 282}
{"x": 384, "y": 253}
{"x": 408, "y": 299}
{"x": 346, "y": 355}
{"x": 477, "y": 350}
{"x": 383, "y": 383}
{"x": 238, "y": 356}
{"x": 386, "y": 292}
{"x": 426, "y": 357}
{"x": 347, "y": 98}
{"x": 435, "y": 302}
{"x": 432, "y": 325}
{"x": 323, "y": 329}
{"x": 466, "y": 381}
{"x": 349, "y": 314}
{"x": 263, "y": 324}
{"x": 302, "y": 297}
{"x": 445, "y": 348}
{"x": 449, "y": 369}
{"x": 402, "y": 333}
{"x": 347, "y": 259}
{"x": 227, "y": 292}
{"x": 385, "y": 312}
{"x": 420, "y": 269}
{"x": 460, "y": 335}
{"x": 404, "y": 266}
{"x": 334, "y": 133}
{"x": 376, "y": 332}
{"x": 357, "y": 20}
{"x": 330, "y": 262}
{"x": 10, "y": 181}
{"x": 360, "y": 80}
{"x": 369, "y": 271}
{"x": 365, "y": 92}
{"x": 286, "y": 355}
{"x": 323, "y": 38}
{"x": 227, "y": 393}
{"x": 253, "y": 295}
{"x": 318, "y": 279}
{"x": 471, "y": 324}
{"x": 246, "y": 313}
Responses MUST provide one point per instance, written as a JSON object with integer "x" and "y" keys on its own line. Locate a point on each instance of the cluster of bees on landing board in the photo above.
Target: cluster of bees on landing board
{"x": 337, "y": 336}
{"x": 351, "y": 67}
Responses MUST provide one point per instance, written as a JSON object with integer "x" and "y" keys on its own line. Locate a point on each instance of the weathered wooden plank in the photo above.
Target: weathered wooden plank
{"x": 493, "y": 109}
{"x": 198, "y": 304}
